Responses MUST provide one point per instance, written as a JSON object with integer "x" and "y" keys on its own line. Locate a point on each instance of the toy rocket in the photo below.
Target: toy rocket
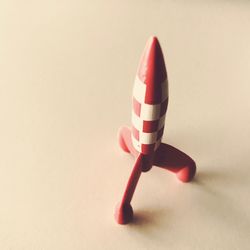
{"x": 143, "y": 139}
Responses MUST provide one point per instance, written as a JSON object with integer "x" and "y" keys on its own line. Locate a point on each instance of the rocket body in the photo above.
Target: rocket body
{"x": 150, "y": 100}
{"x": 143, "y": 139}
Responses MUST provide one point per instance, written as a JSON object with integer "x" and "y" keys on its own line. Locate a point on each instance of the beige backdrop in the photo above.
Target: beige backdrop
{"x": 66, "y": 76}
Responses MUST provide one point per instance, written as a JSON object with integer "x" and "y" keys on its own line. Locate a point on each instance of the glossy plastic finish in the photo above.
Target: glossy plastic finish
{"x": 143, "y": 139}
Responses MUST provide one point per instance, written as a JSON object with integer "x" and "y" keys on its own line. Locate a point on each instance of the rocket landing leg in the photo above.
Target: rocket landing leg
{"x": 166, "y": 156}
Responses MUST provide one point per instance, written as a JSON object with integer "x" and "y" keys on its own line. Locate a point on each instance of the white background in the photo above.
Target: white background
{"x": 66, "y": 77}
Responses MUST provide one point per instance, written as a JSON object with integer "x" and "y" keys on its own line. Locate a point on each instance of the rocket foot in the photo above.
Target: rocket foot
{"x": 187, "y": 173}
{"x": 176, "y": 161}
{"x": 123, "y": 213}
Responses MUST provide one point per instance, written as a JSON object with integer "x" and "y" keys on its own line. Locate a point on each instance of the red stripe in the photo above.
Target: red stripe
{"x": 136, "y": 107}
{"x": 147, "y": 148}
{"x": 150, "y": 126}
{"x": 135, "y": 133}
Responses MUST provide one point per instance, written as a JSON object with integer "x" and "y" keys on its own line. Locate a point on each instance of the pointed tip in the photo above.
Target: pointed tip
{"x": 152, "y": 68}
{"x": 153, "y": 39}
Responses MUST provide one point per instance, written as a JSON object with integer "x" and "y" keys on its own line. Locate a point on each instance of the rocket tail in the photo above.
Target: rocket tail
{"x": 166, "y": 156}
{"x": 174, "y": 160}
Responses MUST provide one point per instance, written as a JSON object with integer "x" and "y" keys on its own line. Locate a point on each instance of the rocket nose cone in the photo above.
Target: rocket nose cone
{"x": 152, "y": 68}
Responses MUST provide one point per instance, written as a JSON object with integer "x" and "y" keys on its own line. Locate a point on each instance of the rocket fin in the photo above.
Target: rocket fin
{"x": 174, "y": 160}
{"x": 125, "y": 141}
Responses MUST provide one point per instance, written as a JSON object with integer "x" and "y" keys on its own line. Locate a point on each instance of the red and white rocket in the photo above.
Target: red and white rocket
{"x": 143, "y": 139}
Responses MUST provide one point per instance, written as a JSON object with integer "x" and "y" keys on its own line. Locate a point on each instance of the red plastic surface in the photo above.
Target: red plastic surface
{"x": 150, "y": 99}
{"x": 166, "y": 156}
{"x": 152, "y": 70}
{"x": 147, "y": 151}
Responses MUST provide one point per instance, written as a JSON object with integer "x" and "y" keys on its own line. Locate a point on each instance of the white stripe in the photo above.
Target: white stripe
{"x": 136, "y": 144}
{"x": 139, "y": 90}
{"x": 150, "y": 112}
{"x": 137, "y": 122}
{"x": 147, "y": 138}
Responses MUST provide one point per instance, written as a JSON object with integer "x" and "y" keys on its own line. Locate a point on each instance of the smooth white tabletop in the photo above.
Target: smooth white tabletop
{"x": 66, "y": 77}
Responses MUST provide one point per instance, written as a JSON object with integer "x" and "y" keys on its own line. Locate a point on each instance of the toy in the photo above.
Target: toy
{"x": 143, "y": 140}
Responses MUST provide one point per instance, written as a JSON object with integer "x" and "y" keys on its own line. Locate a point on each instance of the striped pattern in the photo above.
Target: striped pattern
{"x": 148, "y": 119}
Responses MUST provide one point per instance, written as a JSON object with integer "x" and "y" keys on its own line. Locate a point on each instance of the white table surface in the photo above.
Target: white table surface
{"x": 66, "y": 76}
